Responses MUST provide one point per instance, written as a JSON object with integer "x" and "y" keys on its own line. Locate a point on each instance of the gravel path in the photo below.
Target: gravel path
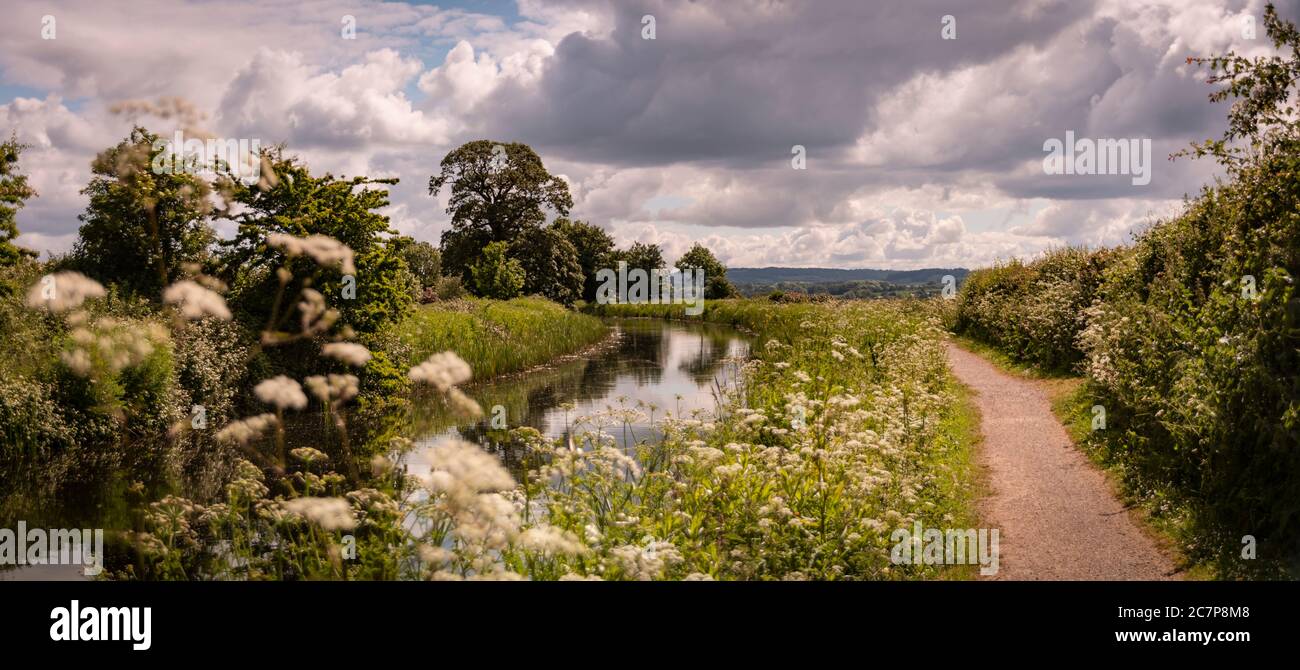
{"x": 1056, "y": 514}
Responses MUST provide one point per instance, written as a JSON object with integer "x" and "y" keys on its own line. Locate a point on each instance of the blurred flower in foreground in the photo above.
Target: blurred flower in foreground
{"x": 62, "y": 291}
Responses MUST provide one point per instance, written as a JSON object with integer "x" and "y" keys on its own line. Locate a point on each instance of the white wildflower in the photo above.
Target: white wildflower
{"x": 571, "y": 577}
{"x": 308, "y": 454}
{"x": 323, "y": 249}
{"x": 282, "y": 392}
{"x": 547, "y": 539}
{"x": 348, "y": 352}
{"x": 195, "y": 301}
{"x": 457, "y": 463}
{"x": 328, "y": 513}
{"x": 246, "y": 430}
{"x": 62, "y": 291}
{"x": 442, "y": 371}
{"x": 463, "y": 405}
{"x": 329, "y": 389}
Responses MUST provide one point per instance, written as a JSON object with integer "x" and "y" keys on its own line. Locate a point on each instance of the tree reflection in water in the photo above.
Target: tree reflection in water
{"x": 670, "y": 366}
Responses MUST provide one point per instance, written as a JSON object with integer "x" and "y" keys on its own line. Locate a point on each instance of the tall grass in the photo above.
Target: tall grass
{"x": 845, "y": 428}
{"x": 495, "y": 337}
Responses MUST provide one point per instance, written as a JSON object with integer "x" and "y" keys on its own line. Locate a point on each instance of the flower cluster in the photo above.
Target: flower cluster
{"x": 63, "y": 291}
{"x": 281, "y": 392}
{"x": 325, "y": 250}
{"x": 444, "y": 372}
{"x": 195, "y": 301}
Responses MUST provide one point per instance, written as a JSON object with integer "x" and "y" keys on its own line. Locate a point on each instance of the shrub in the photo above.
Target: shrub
{"x": 446, "y": 288}
{"x": 1033, "y": 311}
{"x": 1200, "y": 380}
{"x": 1191, "y": 339}
{"x": 496, "y": 275}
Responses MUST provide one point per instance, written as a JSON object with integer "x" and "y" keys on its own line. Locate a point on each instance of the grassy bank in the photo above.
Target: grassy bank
{"x": 886, "y": 357}
{"x": 845, "y": 429}
{"x": 494, "y": 337}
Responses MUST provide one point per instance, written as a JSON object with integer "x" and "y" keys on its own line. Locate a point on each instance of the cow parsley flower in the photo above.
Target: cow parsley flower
{"x": 282, "y": 392}
{"x": 62, "y": 291}
{"x": 442, "y": 371}
{"x": 348, "y": 352}
{"x": 328, "y": 513}
{"x": 245, "y": 430}
{"x": 325, "y": 250}
{"x": 195, "y": 301}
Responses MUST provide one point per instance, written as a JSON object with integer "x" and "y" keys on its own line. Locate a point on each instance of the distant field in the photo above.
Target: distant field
{"x": 862, "y": 283}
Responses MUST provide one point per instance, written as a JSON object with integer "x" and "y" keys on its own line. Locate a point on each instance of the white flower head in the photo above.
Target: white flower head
{"x": 245, "y": 430}
{"x": 195, "y": 301}
{"x": 62, "y": 291}
{"x": 282, "y": 392}
{"x": 334, "y": 387}
{"x": 348, "y": 352}
{"x": 442, "y": 371}
{"x": 328, "y": 513}
{"x": 323, "y": 249}
{"x": 457, "y": 463}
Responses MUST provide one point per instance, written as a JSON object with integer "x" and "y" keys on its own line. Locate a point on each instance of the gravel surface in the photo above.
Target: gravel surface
{"x": 1056, "y": 514}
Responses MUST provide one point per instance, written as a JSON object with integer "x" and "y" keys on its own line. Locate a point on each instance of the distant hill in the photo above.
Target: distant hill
{"x": 862, "y": 283}
{"x": 826, "y": 275}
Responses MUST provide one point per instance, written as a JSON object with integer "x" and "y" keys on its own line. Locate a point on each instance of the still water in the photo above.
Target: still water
{"x": 649, "y": 365}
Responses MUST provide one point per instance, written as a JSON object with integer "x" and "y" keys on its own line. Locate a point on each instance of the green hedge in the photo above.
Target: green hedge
{"x": 1034, "y": 311}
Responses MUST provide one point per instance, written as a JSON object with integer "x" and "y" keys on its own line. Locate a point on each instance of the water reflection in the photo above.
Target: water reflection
{"x": 655, "y": 367}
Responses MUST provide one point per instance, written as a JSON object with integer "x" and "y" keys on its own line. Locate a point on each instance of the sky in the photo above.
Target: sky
{"x": 814, "y": 133}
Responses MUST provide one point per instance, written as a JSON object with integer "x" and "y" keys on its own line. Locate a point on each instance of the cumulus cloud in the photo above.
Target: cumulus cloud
{"x": 280, "y": 97}
{"x": 920, "y": 151}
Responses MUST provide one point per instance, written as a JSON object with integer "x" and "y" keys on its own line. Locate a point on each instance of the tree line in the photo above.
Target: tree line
{"x": 142, "y": 228}
{"x": 500, "y": 245}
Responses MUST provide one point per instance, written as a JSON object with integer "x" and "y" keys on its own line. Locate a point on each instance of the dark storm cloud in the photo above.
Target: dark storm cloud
{"x": 739, "y": 83}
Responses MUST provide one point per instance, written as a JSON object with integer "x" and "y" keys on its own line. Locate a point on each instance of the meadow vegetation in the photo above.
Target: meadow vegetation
{"x": 1190, "y": 337}
{"x": 844, "y": 426}
{"x": 494, "y": 337}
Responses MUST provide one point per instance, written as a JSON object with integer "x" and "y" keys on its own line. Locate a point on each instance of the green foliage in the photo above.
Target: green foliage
{"x": 497, "y": 191}
{"x": 888, "y": 356}
{"x": 496, "y": 275}
{"x": 855, "y": 289}
{"x": 495, "y": 337}
{"x": 301, "y": 204}
{"x": 85, "y": 398}
{"x": 641, "y": 256}
{"x": 595, "y": 250}
{"x": 716, "y": 286}
{"x": 1192, "y": 339}
{"x": 142, "y": 225}
{"x": 1200, "y": 374}
{"x": 383, "y": 380}
{"x": 424, "y": 261}
{"x": 1033, "y": 311}
{"x": 14, "y": 191}
{"x": 447, "y": 288}
{"x": 776, "y": 486}
{"x": 550, "y": 263}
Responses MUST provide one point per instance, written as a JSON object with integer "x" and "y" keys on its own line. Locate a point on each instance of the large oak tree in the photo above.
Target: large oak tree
{"x": 498, "y": 191}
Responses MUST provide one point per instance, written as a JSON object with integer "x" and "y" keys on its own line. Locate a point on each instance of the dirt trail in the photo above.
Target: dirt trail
{"x": 1056, "y": 514}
